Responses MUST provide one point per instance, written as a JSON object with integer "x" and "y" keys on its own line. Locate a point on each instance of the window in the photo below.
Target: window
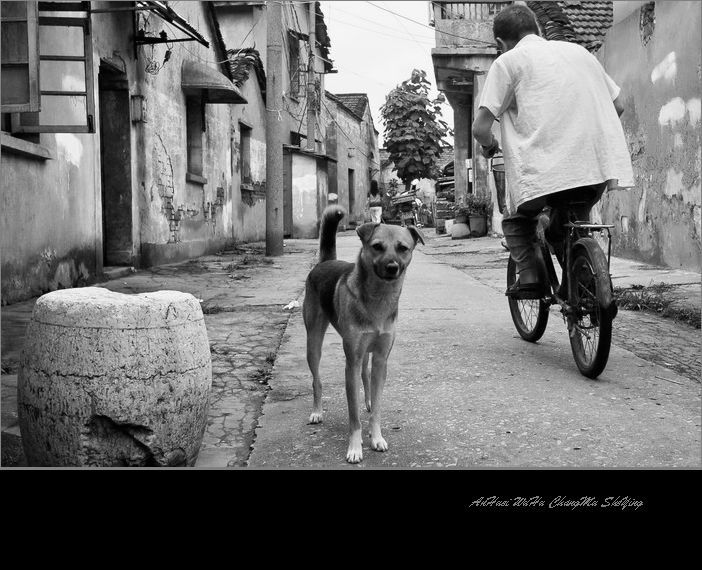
{"x": 20, "y": 52}
{"x": 53, "y": 51}
{"x": 294, "y": 63}
{"x": 245, "y": 152}
{"x": 195, "y": 126}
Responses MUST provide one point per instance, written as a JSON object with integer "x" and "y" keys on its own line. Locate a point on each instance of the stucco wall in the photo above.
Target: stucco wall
{"x": 244, "y": 27}
{"x": 51, "y": 215}
{"x": 49, "y": 218}
{"x": 182, "y": 218}
{"x": 356, "y": 149}
{"x": 658, "y": 221}
{"x": 481, "y": 31}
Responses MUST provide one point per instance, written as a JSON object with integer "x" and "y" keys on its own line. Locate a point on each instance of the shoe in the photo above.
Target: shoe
{"x": 526, "y": 291}
{"x": 613, "y": 310}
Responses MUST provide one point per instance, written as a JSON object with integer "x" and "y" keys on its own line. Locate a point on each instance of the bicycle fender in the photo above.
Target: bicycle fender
{"x": 599, "y": 264}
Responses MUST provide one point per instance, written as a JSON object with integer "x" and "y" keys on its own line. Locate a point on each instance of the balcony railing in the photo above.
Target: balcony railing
{"x": 472, "y": 11}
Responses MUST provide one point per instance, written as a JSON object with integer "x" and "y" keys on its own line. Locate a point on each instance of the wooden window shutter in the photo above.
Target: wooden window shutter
{"x": 20, "y": 57}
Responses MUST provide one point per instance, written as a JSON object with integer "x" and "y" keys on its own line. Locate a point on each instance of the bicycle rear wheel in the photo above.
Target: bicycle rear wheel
{"x": 530, "y": 316}
{"x": 590, "y": 325}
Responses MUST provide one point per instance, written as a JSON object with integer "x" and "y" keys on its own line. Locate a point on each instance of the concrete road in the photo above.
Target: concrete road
{"x": 464, "y": 391}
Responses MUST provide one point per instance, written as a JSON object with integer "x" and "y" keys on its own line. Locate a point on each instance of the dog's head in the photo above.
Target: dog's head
{"x": 387, "y": 248}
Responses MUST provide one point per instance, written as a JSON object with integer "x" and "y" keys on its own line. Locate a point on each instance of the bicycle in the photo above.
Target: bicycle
{"x": 587, "y": 304}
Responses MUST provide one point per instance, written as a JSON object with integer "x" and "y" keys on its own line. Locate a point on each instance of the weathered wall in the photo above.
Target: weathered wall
{"x": 658, "y": 221}
{"x": 51, "y": 216}
{"x": 356, "y": 149}
{"x": 481, "y": 31}
{"x": 181, "y": 218}
{"x": 243, "y": 27}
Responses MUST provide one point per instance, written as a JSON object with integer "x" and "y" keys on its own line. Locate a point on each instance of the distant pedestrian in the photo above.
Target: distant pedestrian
{"x": 375, "y": 203}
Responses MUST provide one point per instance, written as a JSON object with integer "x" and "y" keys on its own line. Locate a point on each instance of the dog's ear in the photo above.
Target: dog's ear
{"x": 365, "y": 231}
{"x": 416, "y": 234}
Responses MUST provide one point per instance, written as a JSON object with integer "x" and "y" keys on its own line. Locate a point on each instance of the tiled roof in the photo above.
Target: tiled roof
{"x": 584, "y": 22}
{"x": 240, "y": 64}
{"x": 323, "y": 37}
{"x": 354, "y": 102}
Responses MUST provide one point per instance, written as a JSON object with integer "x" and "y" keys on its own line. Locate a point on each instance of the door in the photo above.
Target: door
{"x": 287, "y": 195}
{"x": 352, "y": 194}
{"x": 116, "y": 167}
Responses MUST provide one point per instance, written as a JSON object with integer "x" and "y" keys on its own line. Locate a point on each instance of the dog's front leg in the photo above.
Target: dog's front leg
{"x": 378, "y": 374}
{"x": 366, "y": 381}
{"x": 381, "y": 351}
{"x": 354, "y": 360}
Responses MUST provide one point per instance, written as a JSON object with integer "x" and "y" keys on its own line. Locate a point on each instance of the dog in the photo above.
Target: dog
{"x": 360, "y": 300}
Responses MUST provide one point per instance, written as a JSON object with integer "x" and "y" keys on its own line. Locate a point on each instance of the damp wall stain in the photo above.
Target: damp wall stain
{"x": 658, "y": 221}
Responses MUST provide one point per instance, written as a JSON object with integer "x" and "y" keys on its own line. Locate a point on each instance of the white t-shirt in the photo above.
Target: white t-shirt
{"x": 559, "y": 127}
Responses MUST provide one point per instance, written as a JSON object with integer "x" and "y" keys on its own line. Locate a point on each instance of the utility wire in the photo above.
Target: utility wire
{"x": 489, "y": 44}
{"x": 331, "y": 116}
{"x": 379, "y": 32}
{"x": 198, "y": 57}
{"x": 338, "y": 21}
{"x": 408, "y": 33}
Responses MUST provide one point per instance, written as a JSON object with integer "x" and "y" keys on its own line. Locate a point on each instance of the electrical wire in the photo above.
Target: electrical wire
{"x": 380, "y": 33}
{"x": 338, "y": 21}
{"x": 408, "y": 33}
{"x": 489, "y": 44}
{"x": 198, "y": 57}
{"x": 343, "y": 131}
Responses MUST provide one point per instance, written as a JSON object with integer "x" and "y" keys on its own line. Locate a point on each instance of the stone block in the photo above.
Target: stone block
{"x": 108, "y": 379}
{"x": 460, "y": 230}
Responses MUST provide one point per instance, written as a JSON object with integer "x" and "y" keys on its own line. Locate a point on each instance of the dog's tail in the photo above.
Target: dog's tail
{"x": 327, "y": 238}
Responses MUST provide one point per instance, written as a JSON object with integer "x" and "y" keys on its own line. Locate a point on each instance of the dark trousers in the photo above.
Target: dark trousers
{"x": 520, "y": 228}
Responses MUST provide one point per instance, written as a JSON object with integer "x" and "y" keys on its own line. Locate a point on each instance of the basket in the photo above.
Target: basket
{"x": 498, "y": 171}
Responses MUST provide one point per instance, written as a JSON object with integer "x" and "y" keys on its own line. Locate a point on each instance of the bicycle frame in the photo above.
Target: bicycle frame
{"x": 576, "y": 230}
{"x": 586, "y": 305}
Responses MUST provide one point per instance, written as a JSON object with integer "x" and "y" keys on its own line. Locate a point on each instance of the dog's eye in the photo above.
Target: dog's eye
{"x": 402, "y": 248}
{"x": 378, "y": 246}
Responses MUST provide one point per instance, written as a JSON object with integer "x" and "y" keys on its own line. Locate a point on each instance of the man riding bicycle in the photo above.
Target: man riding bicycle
{"x": 561, "y": 136}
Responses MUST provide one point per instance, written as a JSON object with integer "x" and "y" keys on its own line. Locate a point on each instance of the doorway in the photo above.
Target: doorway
{"x": 352, "y": 193}
{"x": 116, "y": 166}
{"x": 287, "y": 194}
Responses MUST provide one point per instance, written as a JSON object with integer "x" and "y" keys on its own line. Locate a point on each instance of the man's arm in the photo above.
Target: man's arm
{"x": 482, "y": 132}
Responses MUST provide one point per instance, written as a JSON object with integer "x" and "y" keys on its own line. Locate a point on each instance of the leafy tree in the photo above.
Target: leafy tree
{"x": 413, "y": 128}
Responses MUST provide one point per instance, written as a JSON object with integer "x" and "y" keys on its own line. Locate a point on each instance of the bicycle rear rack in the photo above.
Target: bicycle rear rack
{"x": 596, "y": 228}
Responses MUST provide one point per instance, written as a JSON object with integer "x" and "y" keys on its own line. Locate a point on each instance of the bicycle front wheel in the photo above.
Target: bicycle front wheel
{"x": 530, "y": 316}
{"x": 590, "y": 325}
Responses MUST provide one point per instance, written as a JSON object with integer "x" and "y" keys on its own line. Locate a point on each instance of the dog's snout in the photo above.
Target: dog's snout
{"x": 392, "y": 268}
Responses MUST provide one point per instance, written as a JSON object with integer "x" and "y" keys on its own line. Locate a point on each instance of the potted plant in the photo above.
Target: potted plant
{"x": 475, "y": 213}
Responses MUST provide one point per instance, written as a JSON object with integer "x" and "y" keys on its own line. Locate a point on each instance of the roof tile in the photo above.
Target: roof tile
{"x": 582, "y": 22}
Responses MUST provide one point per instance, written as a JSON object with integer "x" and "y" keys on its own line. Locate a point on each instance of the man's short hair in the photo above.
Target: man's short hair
{"x": 514, "y": 22}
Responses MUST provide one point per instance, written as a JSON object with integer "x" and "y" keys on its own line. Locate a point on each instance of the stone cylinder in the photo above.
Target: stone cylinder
{"x": 108, "y": 379}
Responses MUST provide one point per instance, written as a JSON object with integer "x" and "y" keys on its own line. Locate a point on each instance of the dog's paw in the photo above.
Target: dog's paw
{"x": 379, "y": 443}
{"x": 354, "y": 455}
{"x": 315, "y": 418}
{"x": 368, "y": 404}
